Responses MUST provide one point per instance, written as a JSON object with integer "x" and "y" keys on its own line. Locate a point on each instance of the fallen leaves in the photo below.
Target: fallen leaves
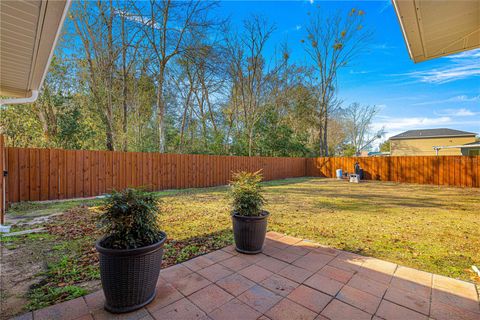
{"x": 74, "y": 224}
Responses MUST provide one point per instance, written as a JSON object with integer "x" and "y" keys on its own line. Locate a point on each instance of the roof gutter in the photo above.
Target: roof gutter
{"x": 33, "y": 97}
{"x": 434, "y": 137}
{"x": 464, "y": 146}
{"x": 477, "y": 145}
{"x": 35, "y": 93}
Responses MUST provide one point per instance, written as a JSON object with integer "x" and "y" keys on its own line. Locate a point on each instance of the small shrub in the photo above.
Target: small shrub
{"x": 129, "y": 220}
{"x": 246, "y": 193}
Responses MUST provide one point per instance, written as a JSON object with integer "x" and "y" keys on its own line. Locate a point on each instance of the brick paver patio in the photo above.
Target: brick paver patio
{"x": 292, "y": 279}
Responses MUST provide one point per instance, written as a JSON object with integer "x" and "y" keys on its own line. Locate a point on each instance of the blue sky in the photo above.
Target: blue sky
{"x": 439, "y": 93}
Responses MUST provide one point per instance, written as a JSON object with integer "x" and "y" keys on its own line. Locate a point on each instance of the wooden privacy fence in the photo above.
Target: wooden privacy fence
{"x": 460, "y": 171}
{"x": 50, "y": 174}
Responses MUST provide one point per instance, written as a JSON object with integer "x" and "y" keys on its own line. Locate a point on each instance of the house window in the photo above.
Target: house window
{"x": 474, "y": 152}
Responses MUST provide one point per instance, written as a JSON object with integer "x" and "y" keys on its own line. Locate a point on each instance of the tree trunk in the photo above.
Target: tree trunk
{"x": 320, "y": 141}
{"x": 48, "y": 122}
{"x": 110, "y": 138}
{"x": 250, "y": 142}
{"x": 200, "y": 101}
{"x": 184, "y": 119}
{"x": 125, "y": 118}
{"x": 124, "y": 89}
{"x": 210, "y": 111}
{"x": 325, "y": 135}
{"x": 110, "y": 70}
{"x": 321, "y": 135}
{"x": 161, "y": 114}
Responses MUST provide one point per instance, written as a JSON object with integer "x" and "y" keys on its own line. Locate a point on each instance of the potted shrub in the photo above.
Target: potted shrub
{"x": 248, "y": 217}
{"x": 131, "y": 251}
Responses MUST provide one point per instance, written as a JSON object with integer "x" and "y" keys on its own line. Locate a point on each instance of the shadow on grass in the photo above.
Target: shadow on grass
{"x": 383, "y": 200}
{"x": 287, "y": 181}
{"x": 177, "y": 251}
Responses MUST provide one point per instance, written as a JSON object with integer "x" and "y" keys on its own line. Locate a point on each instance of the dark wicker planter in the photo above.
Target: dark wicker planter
{"x": 129, "y": 277}
{"x": 249, "y": 232}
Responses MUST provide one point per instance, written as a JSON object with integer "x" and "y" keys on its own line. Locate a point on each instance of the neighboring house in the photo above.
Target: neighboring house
{"x": 430, "y": 142}
{"x": 378, "y": 154}
{"x": 471, "y": 149}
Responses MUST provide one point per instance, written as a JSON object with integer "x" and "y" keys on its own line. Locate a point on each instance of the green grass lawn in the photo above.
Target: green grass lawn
{"x": 436, "y": 229}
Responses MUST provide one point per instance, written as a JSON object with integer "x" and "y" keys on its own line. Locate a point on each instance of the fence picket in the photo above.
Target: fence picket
{"x": 41, "y": 174}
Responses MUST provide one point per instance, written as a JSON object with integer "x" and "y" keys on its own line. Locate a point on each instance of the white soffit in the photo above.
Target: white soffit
{"x": 435, "y": 28}
{"x": 28, "y": 34}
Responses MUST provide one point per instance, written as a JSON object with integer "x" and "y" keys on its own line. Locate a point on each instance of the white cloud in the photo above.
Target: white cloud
{"x": 446, "y": 74}
{"x": 462, "y": 112}
{"x": 297, "y": 27}
{"x": 461, "y": 66}
{"x": 359, "y": 72}
{"x": 455, "y": 99}
{"x": 407, "y": 123}
{"x": 311, "y": 1}
{"x": 387, "y": 4}
{"x": 140, "y": 19}
{"x": 382, "y": 46}
{"x": 465, "y": 54}
{"x": 396, "y": 125}
{"x": 465, "y": 98}
{"x": 145, "y": 20}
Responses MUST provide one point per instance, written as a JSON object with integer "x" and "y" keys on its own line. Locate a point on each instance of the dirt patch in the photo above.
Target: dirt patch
{"x": 27, "y": 260}
{"x": 62, "y": 263}
{"x": 22, "y": 267}
{"x": 24, "y": 222}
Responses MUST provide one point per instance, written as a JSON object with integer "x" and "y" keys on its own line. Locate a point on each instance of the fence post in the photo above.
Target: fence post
{"x": 3, "y": 201}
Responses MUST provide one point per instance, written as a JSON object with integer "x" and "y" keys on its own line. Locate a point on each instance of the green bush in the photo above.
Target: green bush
{"x": 246, "y": 193}
{"x": 129, "y": 220}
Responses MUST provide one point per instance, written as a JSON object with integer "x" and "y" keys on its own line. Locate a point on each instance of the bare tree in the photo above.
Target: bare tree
{"x": 145, "y": 67}
{"x": 357, "y": 122}
{"x": 200, "y": 75}
{"x": 249, "y": 74}
{"x": 130, "y": 41}
{"x": 169, "y": 28}
{"x": 336, "y": 135}
{"x": 94, "y": 25}
{"x": 332, "y": 43}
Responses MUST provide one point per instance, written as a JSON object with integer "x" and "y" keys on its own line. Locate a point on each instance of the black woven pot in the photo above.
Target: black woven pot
{"x": 249, "y": 232}
{"x": 129, "y": 277}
